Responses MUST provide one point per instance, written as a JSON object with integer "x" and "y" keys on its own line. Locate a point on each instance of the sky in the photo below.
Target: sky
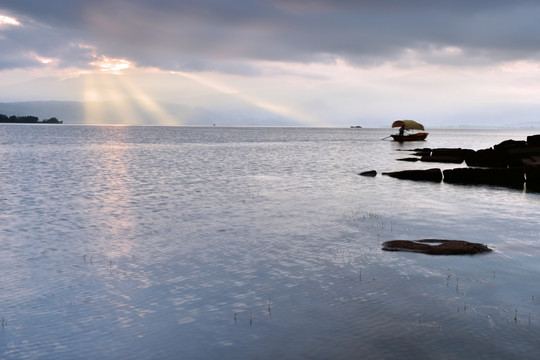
{"x": 315, "y": 62}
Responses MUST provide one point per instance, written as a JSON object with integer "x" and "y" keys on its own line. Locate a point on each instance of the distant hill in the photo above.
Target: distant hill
{"x": 133, "y": 112}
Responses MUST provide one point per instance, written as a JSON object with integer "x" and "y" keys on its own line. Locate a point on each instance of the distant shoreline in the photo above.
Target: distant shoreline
{"x": 27, "y": 120}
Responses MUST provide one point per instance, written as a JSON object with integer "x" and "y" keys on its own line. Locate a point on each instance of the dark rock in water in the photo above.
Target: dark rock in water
{"x": 532, "y": 173}
{"x": 443, "y": 159}
{"x": 457, "y": 152}
{"x": 533, "y": 140}
{"x": 371, "y": 173}
{"x": 508, "y": 153}
{"x": 448, "y": 155}
{"x": 488, "y": 158}
{"x": 510, "y": 144}
{"x": 422, "y": 152}
{"x": 509, "y": 177}
{"x": 518, "y": 156}
{"x": 524, "y": 152}
{"x": 421, "y": 175}
{"x": 411, "y": 159}
{"x": 436, "y": 247}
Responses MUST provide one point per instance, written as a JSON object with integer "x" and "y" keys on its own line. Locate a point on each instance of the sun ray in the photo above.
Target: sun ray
{"x": 112, "y": 96}
{"x": 288, "y": 112}
{"x": 93, "y": 111}
{"x": 116, "y": 99}
{"x": 106, "y": 102}
{"x": 111, "y": 93}
{"x": 150, "y": 106}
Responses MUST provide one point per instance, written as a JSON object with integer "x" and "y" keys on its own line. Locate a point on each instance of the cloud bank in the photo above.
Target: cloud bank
{"x": 216, "y": 35}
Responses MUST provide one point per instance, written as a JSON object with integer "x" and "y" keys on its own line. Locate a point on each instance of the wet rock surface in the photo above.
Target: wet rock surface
{"x": 443, "y": 159}
{"x": 371, "y": 173}
{"x": 447, "y": 155}
{"x": 410, "y": 159}
{"x": 509, "y": 177}
{"x": 436, "y": 247}
{"x": 434, "y": 175}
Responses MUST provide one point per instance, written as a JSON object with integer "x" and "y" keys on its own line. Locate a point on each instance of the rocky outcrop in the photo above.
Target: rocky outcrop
{"x": 434, "y": 175}
{"x": 533, "y": 140}
{"x": 410, "y": 159}
{"x": 510, "y": 145}
{"x": 443, "y": 155}
{"x": 422, "y": 152}
{"x": 436, "y": 247}
{"x": 511, "y": 163}
{"x": 488, "y": 158}
{"x": 509, "y": 177}
{"x": 448, "y": 155}
{"x": 508, "y": 153}
{"x": 532, "y": 173}
{"x": 443, "y": 159}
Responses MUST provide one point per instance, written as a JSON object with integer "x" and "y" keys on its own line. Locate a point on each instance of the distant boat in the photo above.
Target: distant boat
{"x": 356, "y": 127}
{"x": 408, "y": 125}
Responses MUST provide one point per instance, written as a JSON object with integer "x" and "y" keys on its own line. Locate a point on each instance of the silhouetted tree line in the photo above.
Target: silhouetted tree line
{"x": 27, "y": 120}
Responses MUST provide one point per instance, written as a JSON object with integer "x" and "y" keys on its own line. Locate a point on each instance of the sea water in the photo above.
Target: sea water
{"x": 255, "y": 243}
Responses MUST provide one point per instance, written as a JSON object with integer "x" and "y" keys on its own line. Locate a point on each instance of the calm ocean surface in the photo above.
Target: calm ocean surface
{"x": 255, "y": 243}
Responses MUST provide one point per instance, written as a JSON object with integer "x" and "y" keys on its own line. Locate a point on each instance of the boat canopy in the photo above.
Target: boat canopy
{"x": 409, "y": 124}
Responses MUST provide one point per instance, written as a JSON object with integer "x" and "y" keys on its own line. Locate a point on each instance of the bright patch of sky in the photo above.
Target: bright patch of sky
{"x": 113, "y": 65}
{"x": 6, "y": 20}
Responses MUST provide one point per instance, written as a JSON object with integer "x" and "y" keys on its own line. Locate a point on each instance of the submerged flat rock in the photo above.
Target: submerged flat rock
{"x": 436, "y": 247}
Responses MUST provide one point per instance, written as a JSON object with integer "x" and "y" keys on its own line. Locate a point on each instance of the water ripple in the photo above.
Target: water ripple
{"x": 252, "y": 243}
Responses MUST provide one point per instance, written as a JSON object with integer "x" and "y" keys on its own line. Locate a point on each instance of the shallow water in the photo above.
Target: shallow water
{"x": 240, "y": 243}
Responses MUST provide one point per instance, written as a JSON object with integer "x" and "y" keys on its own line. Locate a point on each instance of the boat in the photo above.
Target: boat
{"x": 409, "y": 125}
{"x": 356, "y": 127}
{"x": 411, "y": 137}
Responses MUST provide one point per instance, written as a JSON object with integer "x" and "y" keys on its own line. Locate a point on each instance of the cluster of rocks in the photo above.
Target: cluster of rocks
{"x": 511, "y": 164}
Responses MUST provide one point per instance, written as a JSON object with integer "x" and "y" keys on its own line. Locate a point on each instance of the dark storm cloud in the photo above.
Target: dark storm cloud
{"x": 218, "y": 35}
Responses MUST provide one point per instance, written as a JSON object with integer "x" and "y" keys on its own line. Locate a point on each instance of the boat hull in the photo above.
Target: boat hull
{"x": 411, "y": 137}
